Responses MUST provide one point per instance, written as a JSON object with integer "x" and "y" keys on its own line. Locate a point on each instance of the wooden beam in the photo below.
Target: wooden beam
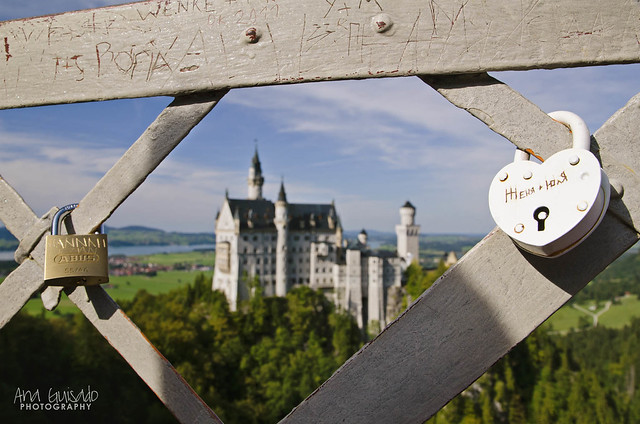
{"x": 482, "y": 307}
{"x": 172, "y": 47}
{"x": 144, "y": 358}
{"x": 503, "y": 110}
{"x": 18, "y": 288}
{"x": 617, "y": 142}
{"x": 511, "y": 115}
{"x": 15, "y": 214}
{"x": 167, "y": 131}
{"x": 171, "y": 126}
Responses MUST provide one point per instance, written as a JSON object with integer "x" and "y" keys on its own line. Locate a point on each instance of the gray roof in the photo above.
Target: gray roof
{"x": 307, "y": 216}
{"x": 255, "y": 214}
{"x": 259, "y": 214}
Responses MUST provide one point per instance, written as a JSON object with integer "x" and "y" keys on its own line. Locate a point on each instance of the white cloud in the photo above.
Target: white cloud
{"x": 52, "y": 172}
{"x": 15, "y": 9}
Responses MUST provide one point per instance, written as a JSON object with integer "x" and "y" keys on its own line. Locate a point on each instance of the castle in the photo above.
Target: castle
{"x": 292, "y": 244}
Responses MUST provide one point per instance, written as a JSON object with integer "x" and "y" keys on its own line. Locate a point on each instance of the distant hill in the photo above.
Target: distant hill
{"x": 7, "y": 240}
{"x": 134, "y": 235}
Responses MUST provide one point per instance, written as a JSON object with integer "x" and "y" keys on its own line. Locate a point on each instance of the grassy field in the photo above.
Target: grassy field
{"x": 619, "y": 314}
{"x": 123, "y": 288}
{"x": 197, "y": 257}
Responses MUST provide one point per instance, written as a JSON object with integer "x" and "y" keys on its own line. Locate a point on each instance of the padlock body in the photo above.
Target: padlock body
{"x": 549, "y": 208}
{"x": 76, "y": 260}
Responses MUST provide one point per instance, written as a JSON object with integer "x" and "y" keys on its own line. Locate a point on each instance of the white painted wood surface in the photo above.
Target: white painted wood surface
{"x": 483, "y": 306}
{"x": 170, "y": 47}
{"x": 144, "y": 358}
{"x": 493, "y": 298}
{"x": 509, "y": 114}
{"x": 166, "y": 132}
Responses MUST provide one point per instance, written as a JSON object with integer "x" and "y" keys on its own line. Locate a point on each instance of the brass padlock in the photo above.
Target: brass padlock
{"x": 75, "y": 259}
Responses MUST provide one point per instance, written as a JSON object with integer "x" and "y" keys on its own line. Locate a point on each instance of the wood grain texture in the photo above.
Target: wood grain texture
{"x": 488, "y": 302}
{"x": 505, "y": 111}
{"x": 166, "y": 132}
{"x": 143, "y": 357}
{"x": 514, "y": 117}
{"x": 17, "y": 288}
{"x": 617, "y": 142}
{"x": 170, "y": 127}
{"x": 480, "y": 309}
{"x": 172, "y": 47}
{"x": 15, "y": 214}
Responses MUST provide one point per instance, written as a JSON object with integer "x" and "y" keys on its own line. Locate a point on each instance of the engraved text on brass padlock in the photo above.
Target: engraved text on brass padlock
{"x": 75, "y": 259}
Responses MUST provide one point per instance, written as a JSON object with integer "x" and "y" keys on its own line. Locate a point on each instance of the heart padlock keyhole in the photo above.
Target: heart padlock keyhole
{"x": 540, "y": 215}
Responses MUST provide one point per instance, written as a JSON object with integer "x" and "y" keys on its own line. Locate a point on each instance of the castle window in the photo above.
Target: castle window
{"x": 306, "y": 237}
{"x": 296, "y": 238}
{"x": 255, "y": 238}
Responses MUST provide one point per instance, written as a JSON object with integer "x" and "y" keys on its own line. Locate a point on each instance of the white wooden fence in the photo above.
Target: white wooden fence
{"x": 196, "y": 50}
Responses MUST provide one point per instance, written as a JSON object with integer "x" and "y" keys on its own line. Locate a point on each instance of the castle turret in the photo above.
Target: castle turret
{"x": 255, "y": 180}
{"x": 362, "y": 238}
{"x": 280, "y": 221}
{"x": 407, "y": 234}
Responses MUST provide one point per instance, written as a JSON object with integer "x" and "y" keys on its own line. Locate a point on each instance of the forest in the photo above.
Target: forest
{"x": 251, "y": 366}
{"x": 256, "y": 364}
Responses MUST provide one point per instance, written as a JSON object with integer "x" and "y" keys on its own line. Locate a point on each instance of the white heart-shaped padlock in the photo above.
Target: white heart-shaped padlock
{"x": 549, "y": 208}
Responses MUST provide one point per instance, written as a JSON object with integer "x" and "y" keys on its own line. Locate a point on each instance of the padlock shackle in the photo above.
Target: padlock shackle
{"x": 579, "y": 129}
{"x": 59, "y": 216}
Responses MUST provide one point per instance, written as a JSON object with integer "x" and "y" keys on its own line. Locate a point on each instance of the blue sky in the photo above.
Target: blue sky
{"x": 369, "y": 145}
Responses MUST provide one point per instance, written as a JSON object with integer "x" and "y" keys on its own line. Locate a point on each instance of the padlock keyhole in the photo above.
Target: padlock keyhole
{"x": 540, "y": 215}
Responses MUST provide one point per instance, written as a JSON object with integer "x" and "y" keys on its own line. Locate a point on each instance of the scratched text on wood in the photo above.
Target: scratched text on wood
{"x": 171, "y": 47}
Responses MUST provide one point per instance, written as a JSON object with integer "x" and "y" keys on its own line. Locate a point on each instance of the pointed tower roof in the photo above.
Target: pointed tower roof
{"x": 255, "y": 162}
{"x": 408, "y": 205}
{"x": 282, "y": 196}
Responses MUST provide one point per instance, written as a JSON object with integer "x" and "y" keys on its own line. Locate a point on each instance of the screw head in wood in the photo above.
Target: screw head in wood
{"x": 251, "y": 35}
{"x": 381, "y": 22}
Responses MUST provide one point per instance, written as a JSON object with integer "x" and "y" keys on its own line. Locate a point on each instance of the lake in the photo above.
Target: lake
{"x": 138, "y": 250}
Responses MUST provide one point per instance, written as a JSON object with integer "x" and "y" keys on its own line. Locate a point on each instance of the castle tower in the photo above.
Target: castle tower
{"x": 280, "y": 222}
{"x": 362, "y": 238}
{"x": 407, "y": 234}
{"x": 255, "y": 180}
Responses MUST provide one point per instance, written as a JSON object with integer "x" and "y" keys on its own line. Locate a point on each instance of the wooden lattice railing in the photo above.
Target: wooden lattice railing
{"x": 197, "y": 50}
